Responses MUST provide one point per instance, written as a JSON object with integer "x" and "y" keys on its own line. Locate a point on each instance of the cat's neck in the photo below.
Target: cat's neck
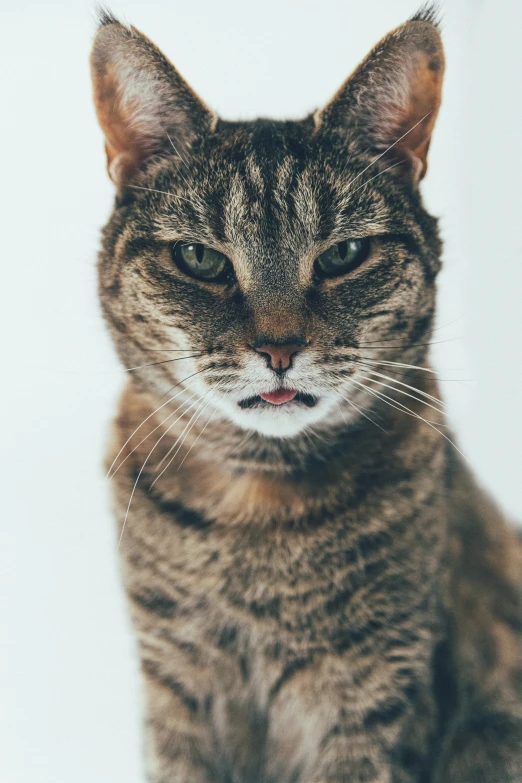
{"x": 240, "y": 475}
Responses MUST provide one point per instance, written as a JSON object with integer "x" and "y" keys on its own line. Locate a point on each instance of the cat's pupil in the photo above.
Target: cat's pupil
{"x": 200, "y": 252}
{"x": 342, "y": 249}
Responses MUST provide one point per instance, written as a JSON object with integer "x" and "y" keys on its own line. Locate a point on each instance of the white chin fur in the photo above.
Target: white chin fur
{"x": 277, "y": 421}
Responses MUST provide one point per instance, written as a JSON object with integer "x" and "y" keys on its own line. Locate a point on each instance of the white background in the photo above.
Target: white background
{"x": 69, "y": 690}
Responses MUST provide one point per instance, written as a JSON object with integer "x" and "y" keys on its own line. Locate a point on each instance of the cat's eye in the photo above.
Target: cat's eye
{"x": 342, "y": 257}
{"x": 201, "y": 262}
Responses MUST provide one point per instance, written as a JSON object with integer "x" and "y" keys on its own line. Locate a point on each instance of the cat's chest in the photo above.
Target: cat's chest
{"x": 302, "y": 581}
{"x": 235, "y": 615}
{"x": 234, "y": 619}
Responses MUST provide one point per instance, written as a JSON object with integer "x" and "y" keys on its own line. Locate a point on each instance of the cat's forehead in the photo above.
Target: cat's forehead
{"x": 284, "y": 166}
{"x": 269, "y": 184}
{"x": 268, "y": 141}
{"x": 255, "y": 181}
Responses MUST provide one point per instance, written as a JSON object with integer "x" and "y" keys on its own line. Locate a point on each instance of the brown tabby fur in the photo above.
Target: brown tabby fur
{"x": 342, "y": 604}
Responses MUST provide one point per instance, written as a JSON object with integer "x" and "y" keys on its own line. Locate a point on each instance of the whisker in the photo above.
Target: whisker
{"x": 198, "y": 437}
{"x": 180, "y": 382}
{"x": 169, "y": 350}
{"x": 198, "y": 200}
{"x": 438, "y": 328}
{"x": 404, "y": 344}
{"x": 202, "y": 409}
{"x": 150, "y": 433}
{"x": 388, "y": 149}
{"x": 197, "y": 412}
{"x": 384, "y": 398}
{"x": 407, "y": 386}
{"x": 341, "y": 411}
{"x": 306, "y": 434}
{"x": 201, "y": 400}
{"x": 163, "y": 192}
{"x": 142, "y": 423}
{"x": 401, "y": 391}
{"x": 138, "y": 478}
{"x": 350, "y": 402}
{"x": 200, "y": 413}
{"x": 400, "y": 364}
{"x": 143, "y": 468}
{"x": 178, "y": 153}
{"x": 408, "y": 375}
{"x": 198, "y": 404}
{"x": 389, "y": 168}
{"x": 165, "y": 361}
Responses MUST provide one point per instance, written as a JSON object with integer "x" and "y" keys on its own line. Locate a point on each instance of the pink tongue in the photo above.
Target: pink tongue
{"x": 279, "y": 396}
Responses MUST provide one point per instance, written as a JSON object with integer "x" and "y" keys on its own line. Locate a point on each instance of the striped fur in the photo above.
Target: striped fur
{"x": 324, "y": 596}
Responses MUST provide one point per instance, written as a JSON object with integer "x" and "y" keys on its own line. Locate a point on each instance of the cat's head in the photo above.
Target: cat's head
{"x": 270, "y": 268}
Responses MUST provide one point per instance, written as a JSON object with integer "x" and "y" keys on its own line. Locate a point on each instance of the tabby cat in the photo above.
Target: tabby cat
{"x": 319, "y": 590}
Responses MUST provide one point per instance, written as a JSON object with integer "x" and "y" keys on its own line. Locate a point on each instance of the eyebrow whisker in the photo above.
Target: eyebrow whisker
{"x": 164, "y": 361}
{"x": 388, "y": 149}
{"x": 163, "y": 192}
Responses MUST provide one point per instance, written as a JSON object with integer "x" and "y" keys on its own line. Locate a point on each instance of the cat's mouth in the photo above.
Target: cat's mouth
{"x": 279, "y": 397}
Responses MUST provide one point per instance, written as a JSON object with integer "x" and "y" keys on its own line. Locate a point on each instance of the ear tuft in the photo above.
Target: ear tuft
{"x": 429, "y": 12}
{"x": 105, "y": 16}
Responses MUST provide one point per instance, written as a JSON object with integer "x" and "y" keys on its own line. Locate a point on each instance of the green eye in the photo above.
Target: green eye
{"x": 342, "y": 257}
{"x": 200, "y": 261}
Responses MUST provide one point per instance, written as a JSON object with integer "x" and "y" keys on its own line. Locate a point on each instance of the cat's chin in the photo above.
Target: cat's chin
{"x": 279, "y": 421}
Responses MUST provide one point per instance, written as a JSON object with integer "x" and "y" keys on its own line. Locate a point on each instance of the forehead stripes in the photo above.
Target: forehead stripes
{"x": 269, "y": 197}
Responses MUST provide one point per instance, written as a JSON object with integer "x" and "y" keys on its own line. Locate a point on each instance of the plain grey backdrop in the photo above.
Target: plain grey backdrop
{"x": 68, "y": 675}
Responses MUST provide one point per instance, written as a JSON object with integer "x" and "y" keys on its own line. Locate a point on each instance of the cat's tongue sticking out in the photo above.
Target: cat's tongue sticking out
{"x": 279, "y": 397}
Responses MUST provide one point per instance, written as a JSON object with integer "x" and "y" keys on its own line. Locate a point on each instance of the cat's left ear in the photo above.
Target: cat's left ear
{"x": 393, "y": 97}
{"x": 140, "y": 99}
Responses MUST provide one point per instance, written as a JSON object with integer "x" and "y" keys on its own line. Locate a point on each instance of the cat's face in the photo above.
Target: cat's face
{"x": 271, "y": 269}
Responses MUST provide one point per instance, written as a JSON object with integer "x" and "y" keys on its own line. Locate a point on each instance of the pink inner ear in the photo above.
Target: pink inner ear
{"x": 139, "y": 96}
{"x": 417, "y": 120}
{"x": 126, "y": 142}
{"x": 394, "y": 96}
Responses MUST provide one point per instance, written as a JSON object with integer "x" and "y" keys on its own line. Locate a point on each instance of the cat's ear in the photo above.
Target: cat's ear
{"x": 393, "y": 97}
{"x": 140, "y": 99}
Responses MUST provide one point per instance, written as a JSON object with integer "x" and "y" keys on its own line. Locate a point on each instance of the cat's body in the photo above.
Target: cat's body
{"x": 291, "y": 631}
{"x": 341, "y": 604}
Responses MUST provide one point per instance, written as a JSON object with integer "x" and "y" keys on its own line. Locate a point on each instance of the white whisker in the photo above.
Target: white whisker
{"x": 375, "y": 345}
{"x": 164, "y": 361}
{"x": 178, "y": 153}
{"x": 388, "y": 149}
{"x": 450, "y": 323}
{"x": 198, "y": 410}
{"x": 404, "y": 409}
{"x": 399, "y": 364}
{"x": 341, "y": 410}
{"x": 191, "y": 189}
{"x": 138, "y": 478}
{"x": 407, "y": 386}
{"x": 350, "y": 402}
{"x": 386, "y": 385}
{"x": 147, "y": 436}
{"x": 389, "y": 168}
{"x": 163, "y": 192}
{"x": 197, "y": 438}
{"x": 141, "y": 425}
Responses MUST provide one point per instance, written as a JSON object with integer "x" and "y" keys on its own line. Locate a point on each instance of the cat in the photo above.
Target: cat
{"x": 320, "y": 591}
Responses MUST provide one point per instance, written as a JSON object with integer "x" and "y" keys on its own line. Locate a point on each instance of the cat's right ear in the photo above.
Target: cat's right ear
{"x": 143, "y": 104}
{"x": 392, "y": 99}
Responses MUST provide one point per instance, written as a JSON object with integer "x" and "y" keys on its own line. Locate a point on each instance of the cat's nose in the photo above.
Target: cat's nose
{"x": 280, "y": 352}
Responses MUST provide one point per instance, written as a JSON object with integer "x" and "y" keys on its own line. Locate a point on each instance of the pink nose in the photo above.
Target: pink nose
{"x": 280, "y": 355}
